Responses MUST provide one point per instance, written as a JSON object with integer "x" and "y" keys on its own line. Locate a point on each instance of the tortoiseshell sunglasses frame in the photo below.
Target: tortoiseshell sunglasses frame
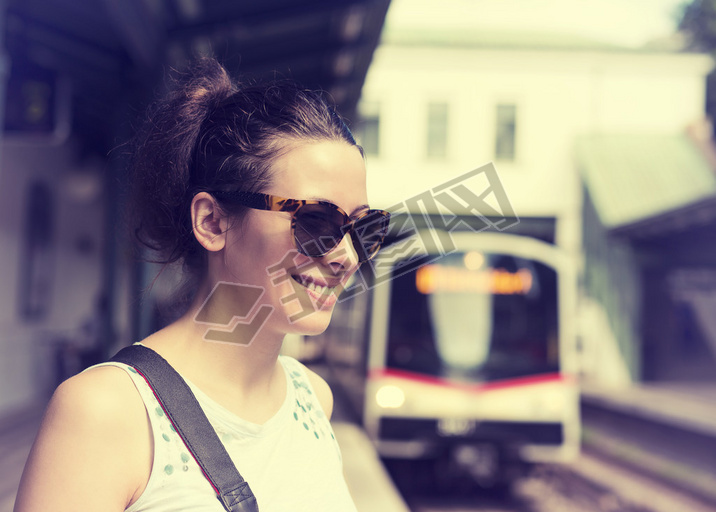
{"x": 268, "y": 202}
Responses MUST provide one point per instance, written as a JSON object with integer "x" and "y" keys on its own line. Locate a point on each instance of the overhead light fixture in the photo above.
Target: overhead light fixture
{"x": 343, "y": 64}
{"x": 338, "y": 94}
{"x": 353, "y": 23}
{"x": 189, "y": 9}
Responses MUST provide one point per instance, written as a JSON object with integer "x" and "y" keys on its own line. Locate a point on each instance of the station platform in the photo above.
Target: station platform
{"x": 368, "y": 482}
{"x": 690, "y": 406}
{"x": 667, "y": 430}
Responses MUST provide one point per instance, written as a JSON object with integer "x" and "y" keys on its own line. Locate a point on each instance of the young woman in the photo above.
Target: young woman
{"x": 253, "y": 188}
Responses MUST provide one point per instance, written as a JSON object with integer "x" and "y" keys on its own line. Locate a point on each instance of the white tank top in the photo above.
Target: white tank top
{"x": 292, "y": 462}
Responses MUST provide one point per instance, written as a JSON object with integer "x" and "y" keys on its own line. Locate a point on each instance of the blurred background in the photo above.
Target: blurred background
{"x": 567, "y": 362}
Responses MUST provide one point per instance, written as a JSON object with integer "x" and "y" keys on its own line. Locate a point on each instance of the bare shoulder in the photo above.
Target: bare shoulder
{"x": 95, "y": 382}
{"x": 91, "y": 450}
{"x": 103, "y": 397}
{"x": 322, "y": 390}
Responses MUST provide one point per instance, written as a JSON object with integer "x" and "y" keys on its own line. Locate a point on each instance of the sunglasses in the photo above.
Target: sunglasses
{"x": 319, "y": 226}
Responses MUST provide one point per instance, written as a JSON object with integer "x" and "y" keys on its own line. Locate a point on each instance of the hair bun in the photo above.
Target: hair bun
{"x": 205, "y": 83}
{"x": 163, "y": 151}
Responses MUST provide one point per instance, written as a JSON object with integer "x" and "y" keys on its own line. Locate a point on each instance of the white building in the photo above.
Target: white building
{"x": 439, "y": 103}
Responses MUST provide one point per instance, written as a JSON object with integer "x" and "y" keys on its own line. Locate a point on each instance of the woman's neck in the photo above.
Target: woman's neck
{"x": 244, "y": 377}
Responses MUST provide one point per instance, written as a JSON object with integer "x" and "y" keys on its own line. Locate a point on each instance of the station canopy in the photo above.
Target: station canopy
{"x": 97, "y": 57}
{"x": 645, "y": 185}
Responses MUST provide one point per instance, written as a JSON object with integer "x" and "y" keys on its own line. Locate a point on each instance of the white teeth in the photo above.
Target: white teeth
{"x": 316, "y": 288}
{"x": 311, "y": 285}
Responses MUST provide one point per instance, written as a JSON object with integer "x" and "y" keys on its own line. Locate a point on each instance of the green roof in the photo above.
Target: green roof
{"x": 634, "y": 177}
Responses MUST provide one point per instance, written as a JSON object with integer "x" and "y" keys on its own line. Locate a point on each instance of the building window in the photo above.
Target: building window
{"x": 368, "y": 132}
{"x": 437, "y": 130}
{"x": 506, "y": 127}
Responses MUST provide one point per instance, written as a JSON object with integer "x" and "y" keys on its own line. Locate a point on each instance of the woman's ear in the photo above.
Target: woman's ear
{"x": 208, "y": 223}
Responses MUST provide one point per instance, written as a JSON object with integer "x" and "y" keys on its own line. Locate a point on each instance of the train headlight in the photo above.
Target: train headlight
{"x": 390, "y": 397}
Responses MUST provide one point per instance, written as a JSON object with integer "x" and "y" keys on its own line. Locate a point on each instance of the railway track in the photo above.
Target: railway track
{"x": 592, "y": 484}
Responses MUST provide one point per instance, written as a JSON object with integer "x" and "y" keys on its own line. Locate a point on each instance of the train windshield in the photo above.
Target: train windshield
{"x": 475, "y": 317}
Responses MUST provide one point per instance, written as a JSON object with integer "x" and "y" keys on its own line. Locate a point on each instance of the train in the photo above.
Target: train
{"x": 467, "y": 356}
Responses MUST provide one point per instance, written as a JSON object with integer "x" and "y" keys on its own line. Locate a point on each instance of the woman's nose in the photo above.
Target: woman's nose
{"x": 343, "y": 257}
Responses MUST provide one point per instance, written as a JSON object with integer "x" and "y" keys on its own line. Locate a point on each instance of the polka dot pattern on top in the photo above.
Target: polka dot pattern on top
{"x": 180, "y": 460}
{"x": 306, "y": 411}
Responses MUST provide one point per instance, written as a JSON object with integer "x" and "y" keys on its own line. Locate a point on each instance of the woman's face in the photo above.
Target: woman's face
{"x": 261, "y": 252}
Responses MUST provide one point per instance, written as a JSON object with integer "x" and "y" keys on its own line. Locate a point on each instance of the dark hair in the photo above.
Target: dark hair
{"x": 210, "y": 133}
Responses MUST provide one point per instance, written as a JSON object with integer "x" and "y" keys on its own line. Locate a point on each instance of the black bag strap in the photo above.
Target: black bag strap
{"x": 185, "y": 413}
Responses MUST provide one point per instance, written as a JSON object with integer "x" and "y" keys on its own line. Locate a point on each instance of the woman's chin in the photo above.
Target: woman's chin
{"x": 312, "y": 324}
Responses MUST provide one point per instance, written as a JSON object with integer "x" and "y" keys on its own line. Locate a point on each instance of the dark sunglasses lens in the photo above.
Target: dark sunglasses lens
{"x": 317, "y": 229}
{"x": 369, "y": 232}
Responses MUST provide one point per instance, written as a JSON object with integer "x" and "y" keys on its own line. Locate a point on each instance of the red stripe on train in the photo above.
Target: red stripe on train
{"x": 483, "y": 386}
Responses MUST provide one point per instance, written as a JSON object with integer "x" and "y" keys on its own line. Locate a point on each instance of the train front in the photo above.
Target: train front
{"x": 469, "y": 358}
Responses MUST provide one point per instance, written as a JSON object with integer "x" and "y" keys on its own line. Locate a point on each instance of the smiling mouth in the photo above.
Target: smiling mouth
{"x": 321, "y": 289}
